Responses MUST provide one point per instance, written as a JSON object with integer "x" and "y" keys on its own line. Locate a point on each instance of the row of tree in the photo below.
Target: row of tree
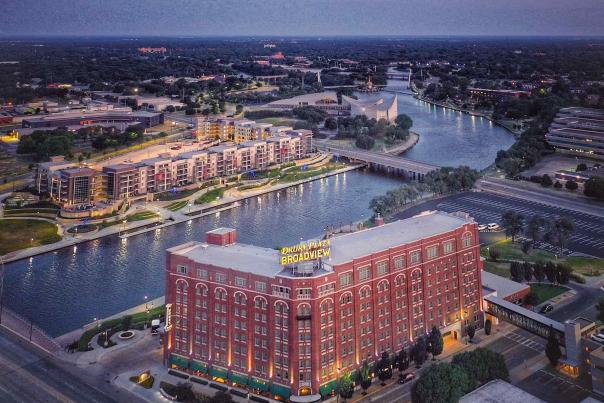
{"x": 395, "y": 199}
{"x": 555, "y": 231}
{"x": 448, "y": 382}
{"x": 555, "y": 273}
{"x": 450, "y": 180}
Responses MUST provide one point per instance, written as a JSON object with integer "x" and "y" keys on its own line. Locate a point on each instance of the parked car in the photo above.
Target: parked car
{"x": 493, "y": 226}
{"x": 407, "y": 377}
{"x": 482, "y": 227}
{"x": 546, "y": 308}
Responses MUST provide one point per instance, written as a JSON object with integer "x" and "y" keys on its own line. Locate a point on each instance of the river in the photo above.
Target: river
{"x": 64, "y": 290}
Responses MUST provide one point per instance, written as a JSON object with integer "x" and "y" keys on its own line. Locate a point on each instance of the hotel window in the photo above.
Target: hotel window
{"x": 220, "y": 278}
{"x": 448, "y": 246}
{"x": 345, "y": 279}
{"x": 202, "y": 273}
{"x": 399, "y": 262}
{"x": 181, "y": 269}
{"x": 240, "y": 282}
{"x": 260, "y": 286}
{"x": 382, "y": 268}
{"x": 364, "y": 273}
{"x": 432, "y": 252}
{"x": 416, "y": 257}
{"x": 467, "y": 240}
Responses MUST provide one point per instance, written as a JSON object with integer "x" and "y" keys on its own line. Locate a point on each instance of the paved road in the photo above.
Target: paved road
{"x": 487, "y": 207}
{"x": 29, "y": 376}
{"x": 582, "y": 305}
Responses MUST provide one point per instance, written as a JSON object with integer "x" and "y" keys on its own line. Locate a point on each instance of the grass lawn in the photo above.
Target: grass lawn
{"x": 18, "y": 234}
{"x": 297, "y": 174}
{"x": 500, "y": 268}
{"x": 513, "y": 251}
{"x": 585, "y": 265}
{"x": 141, "y": 215}
{"x": 279, "y": 121}
{"x": 210, "y": 196}
{"x": 545, "y": 292}
{"x": 177, "y": 205}
{"x": 165, "y": 196}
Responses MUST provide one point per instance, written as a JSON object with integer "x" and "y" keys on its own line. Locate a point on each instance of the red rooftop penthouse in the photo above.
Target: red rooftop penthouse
{"x": 235, "y": 314}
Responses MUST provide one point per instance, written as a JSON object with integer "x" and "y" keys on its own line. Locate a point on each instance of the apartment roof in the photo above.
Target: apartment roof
{"x": 498, "y": 391}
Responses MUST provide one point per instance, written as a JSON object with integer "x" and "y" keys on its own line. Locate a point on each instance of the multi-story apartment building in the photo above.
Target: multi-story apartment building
{"x": 249, "y": 315}
{"x": 163, "y": 173}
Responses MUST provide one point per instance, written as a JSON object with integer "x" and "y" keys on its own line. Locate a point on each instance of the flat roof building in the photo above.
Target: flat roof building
{"x": 286, "y": 321}
{"x": 578, "y": 131}
{"x": 498, "y": 391}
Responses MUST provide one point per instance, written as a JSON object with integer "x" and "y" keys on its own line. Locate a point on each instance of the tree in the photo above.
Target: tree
{"x": 487, "y": 326}
{"x": 546, "y": 181}
{"x": 600, "y": 308}
{"x": 404, "y": 121}
{"x": 552, "y": 348}
{"x": 419, "y": 352}
{"x": 517, "y": 271}
{"x": 331, "y": 124}
{"x": 441, "y": 383}
{"x": 402, "y": 361}
{"x": 482, "y": 365}
{"x": 365, "y": 377}
{"x": 345, "y": 388}
{"x": 527, "y": 269}
{"x": 526, "y": 246}
{"x": 557, "y": 185}
{"x": 539, "y": 271}
{"x": 470, "y": 330}
{"x": 436, "y": 342}
{"x": 550, "y": 271}
{"x": 365, "y": 142}
{"x": 594, "y": 187}
{"x": 534, "y": 228}
{"x": 384, "y": 368}
{"x": 513, "y": 223}
{"x": 571, "y": 185}
{"x": 563, "y": 273}
{"x": 559, "y": 231}
{"x": 581, "y": 167}
{"x": 494, "y": 254}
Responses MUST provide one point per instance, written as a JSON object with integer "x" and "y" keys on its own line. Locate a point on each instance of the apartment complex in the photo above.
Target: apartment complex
{"x": 135, "y": 180}
{"x": 578, "y": 131}
{"x": 239, "y": 130}
{"x": 286, "y": 322}
{"x": 91, "y": 117}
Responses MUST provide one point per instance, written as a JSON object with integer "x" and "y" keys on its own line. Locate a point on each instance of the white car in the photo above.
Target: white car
{"x": 493, "y": 226}
{"x": 482, "y": 227}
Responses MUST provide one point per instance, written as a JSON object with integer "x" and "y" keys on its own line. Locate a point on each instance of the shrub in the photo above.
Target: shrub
{"x": 546, "y": 181}
{"x": 572, "y": 185}
{"x": 487, "y": 326}
{"x": 558, "y": 185}
{"x": 494, "y": 254}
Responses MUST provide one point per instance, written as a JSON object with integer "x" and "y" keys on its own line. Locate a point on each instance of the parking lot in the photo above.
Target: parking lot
{"x": 488, "y": 208}
{"x": 554, "y": 388}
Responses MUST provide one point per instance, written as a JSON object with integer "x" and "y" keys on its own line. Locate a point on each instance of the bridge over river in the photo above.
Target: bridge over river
{"x": 412, "y": 170}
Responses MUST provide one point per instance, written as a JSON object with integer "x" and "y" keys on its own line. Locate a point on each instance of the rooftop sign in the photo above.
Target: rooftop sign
{"x": 305, "y": 251}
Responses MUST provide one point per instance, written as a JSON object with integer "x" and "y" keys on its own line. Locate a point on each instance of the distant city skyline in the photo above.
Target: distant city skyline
{"x": 302, "y": 18}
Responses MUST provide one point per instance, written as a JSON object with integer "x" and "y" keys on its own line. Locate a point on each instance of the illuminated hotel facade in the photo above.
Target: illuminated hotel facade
{"x": 236, "y": 314}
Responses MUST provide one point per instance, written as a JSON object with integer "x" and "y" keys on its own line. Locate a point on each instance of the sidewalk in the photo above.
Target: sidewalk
{"x": 28, "y": 331}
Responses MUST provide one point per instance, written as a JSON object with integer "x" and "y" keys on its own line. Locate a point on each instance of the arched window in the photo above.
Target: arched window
{"x": 365, "y": 292}
{"x": 399, "y": 280}
{"x": 260, "y": 303}
{"x": 467, "y": 240}
{"x": 201, "y": 290}
{"x": 303, "y": 310}
{"x": 240, "y": 298}
{"x": 220, "y": 294}
{"x": 346, "y": 298}
{"x": 383, "y": 286}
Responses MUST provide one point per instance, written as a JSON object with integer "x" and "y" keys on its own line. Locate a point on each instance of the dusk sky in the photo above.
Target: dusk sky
{"x": 301, "y": 17}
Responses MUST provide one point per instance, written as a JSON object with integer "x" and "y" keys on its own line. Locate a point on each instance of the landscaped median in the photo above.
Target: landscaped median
{"x": 142, "y": 215}
{"x": 211, "y": 196}
{"x": 23, "y": 233}
{"x": 127, "y": 322}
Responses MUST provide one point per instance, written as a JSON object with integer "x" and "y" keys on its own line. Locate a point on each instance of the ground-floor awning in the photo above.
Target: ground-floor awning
{"x": 199, "y": 366}
{"x": 258, "y": 384}
{"x": 179, "y": 361}
{"x": 281, "y": 390}
{"x": 328, "y": 388}
{"x": 239, "y": 379}
{"x": 218, "y": 372}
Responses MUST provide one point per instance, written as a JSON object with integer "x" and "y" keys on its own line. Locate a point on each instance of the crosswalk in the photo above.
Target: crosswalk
{"x": 525, "y": 341}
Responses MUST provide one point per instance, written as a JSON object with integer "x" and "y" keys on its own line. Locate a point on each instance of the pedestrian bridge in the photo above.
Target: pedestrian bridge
{"x": 392, "y": 164}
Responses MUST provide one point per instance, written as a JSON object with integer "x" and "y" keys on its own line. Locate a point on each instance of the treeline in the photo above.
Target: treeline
{"x": 555, "y": 231}
{"x": 526, "y": 271}
{"x": 450, "y": 180}
{"x": 366, "y": 130}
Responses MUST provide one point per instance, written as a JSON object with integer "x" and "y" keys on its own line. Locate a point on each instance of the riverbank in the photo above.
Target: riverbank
{"x": 468, "y": 112}
{"x": 405, "y": 146}
{"x": 171, "y": 218}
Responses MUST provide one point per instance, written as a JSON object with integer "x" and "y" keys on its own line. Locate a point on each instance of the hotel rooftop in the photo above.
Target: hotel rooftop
{"x": 344, "y": 248}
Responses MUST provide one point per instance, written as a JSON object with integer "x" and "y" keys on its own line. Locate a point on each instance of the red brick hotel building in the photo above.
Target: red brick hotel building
{"x": 236, "y": 314}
